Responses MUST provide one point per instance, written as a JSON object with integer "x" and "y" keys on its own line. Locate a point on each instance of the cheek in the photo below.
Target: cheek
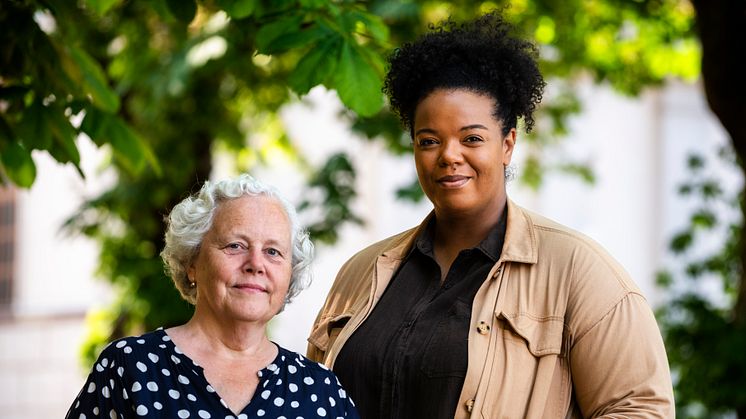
{"x": 282, "y": 281}
{"x": 423, "y": 167}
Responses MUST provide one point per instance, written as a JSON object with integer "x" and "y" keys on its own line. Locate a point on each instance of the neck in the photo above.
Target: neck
{"x": 238, "y": 338}
{"x": 456, "y": 232}
{"x": 464, "y": 230}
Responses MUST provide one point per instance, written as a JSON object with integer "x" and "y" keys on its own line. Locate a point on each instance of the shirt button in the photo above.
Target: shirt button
{"x": 483, "y": 328}
{"x": 469, "y": 405}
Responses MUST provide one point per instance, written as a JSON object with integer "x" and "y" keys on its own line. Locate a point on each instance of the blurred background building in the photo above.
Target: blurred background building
{"x": 636, "y": 147}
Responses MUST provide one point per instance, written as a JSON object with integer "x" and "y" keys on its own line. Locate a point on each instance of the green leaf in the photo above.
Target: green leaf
{"x": 292, "y": 40}
{"x": 316, "y": 66}
{"x": 130, "y": 148}
{"x": 681, "y": 242}
{"x": 412, "y": 192}
{"x": 374, "y": 25}
{"x": 63, "y": 148}
{"x": 95, "y": 81}
{"x": 271, "y": 31}
{"x": 17, "y": 163}
{"x": 238, "y": 9}
{"x": 96, "y": 125}
{"x": 357, "y": 82}
{"x": 100, "y": 7}
{"x": 34, "y": 129}
{"x": 585, "y": 172}
{"x": 184, "y": 10}
{"x": 313, "y": 4}
{"x": 703, "y": 218}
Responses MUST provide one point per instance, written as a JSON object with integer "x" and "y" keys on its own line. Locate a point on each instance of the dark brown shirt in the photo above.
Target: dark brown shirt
{"x": 408, "y": 359}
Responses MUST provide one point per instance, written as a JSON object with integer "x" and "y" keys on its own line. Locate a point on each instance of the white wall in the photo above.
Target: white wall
{"x": 54, "y": 287}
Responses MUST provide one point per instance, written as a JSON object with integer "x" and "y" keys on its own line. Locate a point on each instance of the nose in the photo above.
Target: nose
{"x": 254, "y": 262}
{"x": 450, "y": 153}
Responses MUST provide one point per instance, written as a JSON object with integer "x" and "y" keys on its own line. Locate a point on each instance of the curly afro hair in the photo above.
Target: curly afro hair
{"x": 480, "y": 56}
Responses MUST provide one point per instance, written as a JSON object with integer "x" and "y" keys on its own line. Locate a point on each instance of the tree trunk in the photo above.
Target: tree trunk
{"x": 722, "y": 31}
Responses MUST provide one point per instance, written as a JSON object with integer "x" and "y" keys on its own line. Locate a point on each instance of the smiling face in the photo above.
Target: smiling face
{"x": 460, "y": 153}
{"x": 243, "y": 267}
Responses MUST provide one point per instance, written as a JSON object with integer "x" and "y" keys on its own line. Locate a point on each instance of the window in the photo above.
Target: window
{"x": 7, "y": 244}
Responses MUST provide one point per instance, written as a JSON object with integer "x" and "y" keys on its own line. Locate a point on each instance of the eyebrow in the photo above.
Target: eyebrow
{"x": 464, "y": 128}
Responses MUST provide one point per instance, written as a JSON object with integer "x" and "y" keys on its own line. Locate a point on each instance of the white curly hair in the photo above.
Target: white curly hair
{"x": 190, "y": 220}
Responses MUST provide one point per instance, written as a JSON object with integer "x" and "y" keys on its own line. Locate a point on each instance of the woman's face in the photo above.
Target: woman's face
{"x": 243, "y": 268}
{"x": 460, "y": 153}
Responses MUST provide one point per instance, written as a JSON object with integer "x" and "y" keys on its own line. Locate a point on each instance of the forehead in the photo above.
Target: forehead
{"x": 461, "y": 105}
{"x": 260, "y": 214}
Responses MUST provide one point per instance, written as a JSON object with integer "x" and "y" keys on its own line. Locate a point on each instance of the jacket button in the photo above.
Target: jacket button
{"x": 469, "y": 405}
{"x": 483, "y": 328}
{"x": 497, "y": 272}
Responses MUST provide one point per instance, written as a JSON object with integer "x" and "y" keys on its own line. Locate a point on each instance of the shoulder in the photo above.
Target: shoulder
{"x": 137, "y": 344}
{"x": 356, "y": 274}
{"x": 397, "y": 244}
{"x": 134, "y": 351}
{"x": 557, "y": 243}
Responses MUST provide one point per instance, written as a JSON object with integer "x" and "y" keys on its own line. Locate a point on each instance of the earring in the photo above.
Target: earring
{"x": 510, "y": 172}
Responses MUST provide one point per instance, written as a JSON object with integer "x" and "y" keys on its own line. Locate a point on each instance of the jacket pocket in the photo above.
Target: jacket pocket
{"x": 526, "y": 372}
{"x": 446, "y": 352}
{"x": 327, "y": 330}
{"x": 542, "y": 336}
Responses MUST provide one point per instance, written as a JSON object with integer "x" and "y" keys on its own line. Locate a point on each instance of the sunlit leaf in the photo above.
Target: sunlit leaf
{"x": 96, "y": 125}
{"x": 583, "y": 171}
{"x": 95, "y": 81}
{"x": 15, "y": 160}
{"x": 63, "y": 148}
{"x": 100, "y": 7}
{"x": 374, "y": 25}
{"x": 357, "y": 82}
{"x": 238, "y": 9}
{"x": 316, "y": 67}
{"x": 291, "y": 40}
{"x": 270, "y": 32}
{"x": 703, "y": 219}
{"x": 130, "y": 148}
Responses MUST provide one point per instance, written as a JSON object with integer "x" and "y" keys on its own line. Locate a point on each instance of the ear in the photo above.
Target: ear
{"x": 508, "y": 145}
{"x": 191, "y": 273}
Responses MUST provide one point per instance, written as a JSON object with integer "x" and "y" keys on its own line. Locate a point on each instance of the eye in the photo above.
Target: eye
{"x": 473, "y": 139}
{"x": 273, "y": 252}
{"x": 234, "y": 248}
{"x": 426, "y": 142}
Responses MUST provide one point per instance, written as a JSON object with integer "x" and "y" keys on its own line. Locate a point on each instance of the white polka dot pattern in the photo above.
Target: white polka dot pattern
{"x": 148, "y": 376}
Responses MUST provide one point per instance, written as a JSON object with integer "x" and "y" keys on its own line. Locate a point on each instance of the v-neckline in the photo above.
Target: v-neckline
{"x": 263, "y": 374}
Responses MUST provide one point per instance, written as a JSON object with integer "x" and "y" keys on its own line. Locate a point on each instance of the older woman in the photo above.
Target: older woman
{"x": 235, "y": 251}
{"x": 485, "y": 309}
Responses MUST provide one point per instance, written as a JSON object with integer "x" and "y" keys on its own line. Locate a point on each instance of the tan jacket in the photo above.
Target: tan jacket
{"x": 559, "y": 328}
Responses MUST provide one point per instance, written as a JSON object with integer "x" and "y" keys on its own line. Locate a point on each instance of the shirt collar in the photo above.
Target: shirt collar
{"x": 491, "y": 246}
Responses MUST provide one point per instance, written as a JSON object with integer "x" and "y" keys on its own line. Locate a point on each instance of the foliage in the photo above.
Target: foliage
{"x": 164, "y": 84}
{"x": 702, "y": 335}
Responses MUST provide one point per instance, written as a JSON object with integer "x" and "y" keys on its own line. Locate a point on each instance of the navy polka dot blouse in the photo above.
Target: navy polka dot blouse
{"x": 148, "y": 376}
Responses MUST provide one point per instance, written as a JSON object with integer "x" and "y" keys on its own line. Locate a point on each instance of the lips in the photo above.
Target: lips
{"x": 453, "y": 181}
{"x": 248, "y": 287}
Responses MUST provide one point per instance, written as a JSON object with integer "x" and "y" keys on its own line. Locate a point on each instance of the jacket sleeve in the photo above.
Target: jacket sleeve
{"x": 619, "y": 365}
